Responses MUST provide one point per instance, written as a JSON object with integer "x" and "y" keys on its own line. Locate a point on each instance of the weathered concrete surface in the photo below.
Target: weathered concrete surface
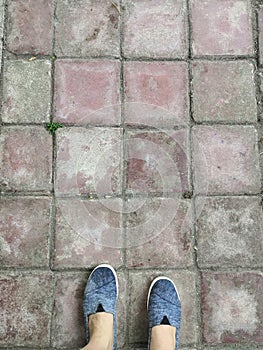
{"x": 155, "y": 171}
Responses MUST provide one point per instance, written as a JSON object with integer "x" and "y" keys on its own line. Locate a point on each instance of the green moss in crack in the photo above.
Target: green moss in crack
{"x": 52, "y": 127}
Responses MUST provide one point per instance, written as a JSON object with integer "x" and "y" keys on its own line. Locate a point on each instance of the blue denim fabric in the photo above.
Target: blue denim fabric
{"x": 164, "y": 301}
{"x": 101, "y": 289}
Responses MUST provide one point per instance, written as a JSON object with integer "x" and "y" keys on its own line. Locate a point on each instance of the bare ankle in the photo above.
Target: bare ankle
{"x": 163, "y": 338}
{"x": 101, "y": 332}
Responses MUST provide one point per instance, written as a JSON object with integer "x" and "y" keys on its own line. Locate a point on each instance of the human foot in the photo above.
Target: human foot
{"x": 99, "y": 305}
{"x": 164, "y": 314}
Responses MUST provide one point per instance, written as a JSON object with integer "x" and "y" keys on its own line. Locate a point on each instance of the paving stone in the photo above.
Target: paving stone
{"x": 24, "y": 227}
{"x": 226, "y": 159}
{"x": 88, "y": 160}
{"x": 2, "y": 10}
{"x": 1, "y": 28}
{"x": 68, "y": 319}
{"x": 221, "y": 27}
{"x": 229, "y": 231}
{"x": 27, "y": 91}
{"x": 231, "y": 347}
{"x": 138, "y": 287}
{"x": 88, "y": 233}
{"x": 25, "y": 308}
{"x": 158, "y": 161}
{"x": 87, "y": 28}
{"x": 25, "y": 158}
{"x": 156, "y": 31}
{"x": 224, "y": 91}
{"x": 87, "y": 92}
{"x": 260, "y": 34}
{"x": 163, "y": 223}
{"x": 156, "y": 93}
{"x": 232, "y": 307}
{"x": 29, "y": 26}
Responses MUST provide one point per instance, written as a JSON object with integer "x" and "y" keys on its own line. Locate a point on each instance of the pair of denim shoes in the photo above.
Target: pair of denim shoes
{"x": 101, "y": 292}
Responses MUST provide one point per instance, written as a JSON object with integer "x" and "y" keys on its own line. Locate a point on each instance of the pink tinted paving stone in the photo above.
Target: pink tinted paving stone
{"x": 24, "y": 227}
{"x": 139, "y": 286}
{"x": 224, "y": 91}
{"x": 25, "y": 308}
{"x": 27, "y": 91}
{"x": 172, "y": 236}
{"x": 68, "y": 319}
{"x": 158, "y": 161}
{"x": 87, "y": 92}
{"x": 158, "y": 92}
{"x": 221, "y": 27}
{"x": 87, "y": 28}
{"x": 29, "y": 26}
{"x": 25, "y": 158}
{"x": 88, "y": 232}
{"x": 156, "y": 30}
{"x": 88, "y": 160}
{"x": 232, "y": 307}
{"x": 229, "y": 232}
{"x": 226, "y": 159}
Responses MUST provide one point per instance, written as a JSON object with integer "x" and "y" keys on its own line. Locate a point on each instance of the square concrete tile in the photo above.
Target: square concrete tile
{"x": 68, "y": 319}
{"x": 25, "y": 308}
{"x": 29, "y": 26}
{"x": 164, "y": 223}
{"x": 232, "y": 307}
{"x": 87, "y": 28}
{"x": 229, "y": 231}
{"x": 88, "y": 161}
{"x": 156, "y": 93}
{"x": 25, "y": 158}
{"x": 224, "y": 91}
{"x": 87, "y": 92}
{"x": 221, "y": 27}
{"x": 24, "y": 227}
{"x": 2, "y": 10}
{"x": 139, "y": 283}
{"x": 88, "y": 233}
{"x": 225, "y": 159}
{"x": 158, "y": 161}
{"x": 1, "y": 28}
{"x": 156, "y": 30}
{"x": 26, "y": 91}
{"x": 231, "y": 347}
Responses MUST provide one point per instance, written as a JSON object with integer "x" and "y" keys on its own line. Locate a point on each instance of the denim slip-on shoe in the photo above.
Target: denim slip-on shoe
{"x": 164, "y": 306}
{"x": 100, "y": 295}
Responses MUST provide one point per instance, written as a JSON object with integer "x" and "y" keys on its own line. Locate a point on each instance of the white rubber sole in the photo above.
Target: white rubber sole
{"x": 113, "y": 271}
{"x": 153, "y": 283}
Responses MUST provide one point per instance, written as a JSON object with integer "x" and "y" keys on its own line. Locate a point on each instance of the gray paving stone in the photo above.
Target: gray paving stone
{"x": 25, "y": 158}
{"x": 229, "y": 300}
{"x": 139, "y": 283}
{"x": 225, "y": 159}
{"x": 229, "y": 231}
{"x": 26, "y": 91}
{"x": 68, "y": 321}
{"x": 87, "y": 28}
{"x": 1, "y": 28}
{"x": 158, "y": 31}
{"x": 224, "y": 91}
{"x": 25, "y": 308}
